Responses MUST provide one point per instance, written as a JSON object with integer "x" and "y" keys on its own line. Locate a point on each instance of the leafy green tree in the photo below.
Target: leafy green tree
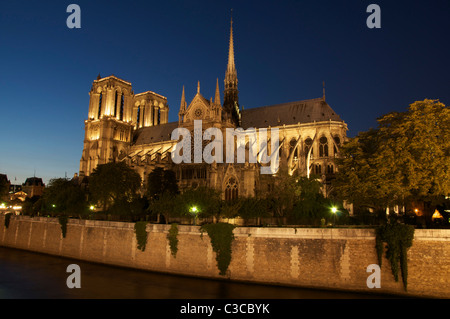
{"x": 418, "y": 142}
{"x": 31, "y": 206}
{"x": 311, "y": 206}
{"x": 114, "y": 182}
{"x": 281, "y": 192}
{"x": 62, "y": 196}
{"x": 230, "y": 208}
{"x": 165, "y": 205}
{"x": 405, "y": 159}
{"x": 4, "y": 187}
{"x": 132, "y": 210}
{"x": 358, "y": 180}
{"x": 252, "y": 207}
{"x": 161, "y": 181}
{"x": 162, "y": 189}
{"x": 199, "y": 202}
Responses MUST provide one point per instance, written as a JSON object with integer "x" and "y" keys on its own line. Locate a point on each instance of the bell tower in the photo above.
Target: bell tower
{"x": 109, "y": 127}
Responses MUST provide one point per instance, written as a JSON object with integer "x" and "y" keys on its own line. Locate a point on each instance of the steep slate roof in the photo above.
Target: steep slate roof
{"x": 153, "y": 134}
{"x": 305, "y": 111}
{"x": 34, "y": 181}
{"x": 288, "y": 113}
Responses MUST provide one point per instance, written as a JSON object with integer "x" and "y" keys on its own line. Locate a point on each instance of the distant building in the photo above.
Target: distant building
{"x": 14, "y": 188}
{"x": 20, "y": 195}
{"x": 33, "y": 186}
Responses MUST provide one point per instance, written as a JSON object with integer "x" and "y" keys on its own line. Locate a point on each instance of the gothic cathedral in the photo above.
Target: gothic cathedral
{"x": 124, "y": 126}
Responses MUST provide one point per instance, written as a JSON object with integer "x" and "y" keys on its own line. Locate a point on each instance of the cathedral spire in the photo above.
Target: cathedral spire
{"x": 217, "y": 96}
{"x": 183, "y": 101}
{"x": 182, "y": 107}
{"x": 323, "y": 85}
{"x": 231, "y": 68}
{"x": 230, "y": 98}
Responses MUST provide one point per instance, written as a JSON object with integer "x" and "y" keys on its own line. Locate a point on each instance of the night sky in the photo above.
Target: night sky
{"x": 284, "y": 51}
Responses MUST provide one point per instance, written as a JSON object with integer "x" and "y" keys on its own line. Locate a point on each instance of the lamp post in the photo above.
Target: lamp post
{"x": 194, "y": 210}
{"x": 334, "y": 211}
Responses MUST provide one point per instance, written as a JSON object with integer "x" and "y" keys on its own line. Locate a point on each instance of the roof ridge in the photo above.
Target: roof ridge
{"x": 287, "y": 103}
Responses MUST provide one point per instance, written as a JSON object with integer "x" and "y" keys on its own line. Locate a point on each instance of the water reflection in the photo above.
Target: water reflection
{"x": 26, "y": 275}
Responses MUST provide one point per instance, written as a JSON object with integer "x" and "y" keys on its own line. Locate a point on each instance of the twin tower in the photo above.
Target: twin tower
{"x": 116, "y": 114}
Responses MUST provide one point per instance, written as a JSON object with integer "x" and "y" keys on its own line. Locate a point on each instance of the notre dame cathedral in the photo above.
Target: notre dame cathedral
{"x": 124, "y": 126}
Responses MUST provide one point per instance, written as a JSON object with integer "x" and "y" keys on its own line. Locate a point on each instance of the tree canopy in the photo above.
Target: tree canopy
{"x": 406, "y": 158}
{"x": 161, "y": 181}
{"x": 63, "y": 196}
{"x": 114, "y": 182}
{"x": 4, "y": 187}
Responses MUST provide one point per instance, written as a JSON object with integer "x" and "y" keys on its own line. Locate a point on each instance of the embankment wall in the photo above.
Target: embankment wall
{"x": 331, "y": 258}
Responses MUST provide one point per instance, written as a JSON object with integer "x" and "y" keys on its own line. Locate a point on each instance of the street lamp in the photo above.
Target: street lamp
{"x": 194, "y": 210}
{"x": 334, "y": 211}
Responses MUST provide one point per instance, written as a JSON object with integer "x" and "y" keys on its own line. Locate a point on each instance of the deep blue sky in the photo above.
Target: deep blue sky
{"x": 284, "y": 51}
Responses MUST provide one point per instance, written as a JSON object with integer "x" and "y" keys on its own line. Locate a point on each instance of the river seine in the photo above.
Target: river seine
{"x": 29, "y": 275}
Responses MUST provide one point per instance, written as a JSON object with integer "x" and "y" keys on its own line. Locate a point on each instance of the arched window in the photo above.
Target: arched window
{"x": 323, "y": 147}
{"x": 231, "y": 189}
{"x": 138, "y": 115}
{"x": 330, "y": 169}
{"x": 292, "y": 144}
{"x": 115, "y": 104}
{"x": 100, "y": 105}
{"x": 122, "y": 103}
{"x": 318, "y": 169}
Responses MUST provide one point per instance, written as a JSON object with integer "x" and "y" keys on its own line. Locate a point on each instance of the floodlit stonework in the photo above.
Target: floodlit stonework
{"x": 124, "y": 126}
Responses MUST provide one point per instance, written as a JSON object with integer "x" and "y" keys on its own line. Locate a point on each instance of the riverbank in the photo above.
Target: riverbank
{"x": 321, "y": 258}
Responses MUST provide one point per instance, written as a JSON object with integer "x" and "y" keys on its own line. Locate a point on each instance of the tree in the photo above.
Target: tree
{"x": 161, "y": 181}
{"x": 311, "y": 206}
{"x": 199, "y": 202}
{"x": 359, "y": 179}
{"x": 162, "y": 189}
{"x": 252, "y": 207}
{"x": 405, "y": 159}
{"x": 4, "y": 187}
{"x": 165, "y": 205}
{"x": 62, "y": 196}
{"x": 31, "y": 206}
{"x": 281, "y": 191}
{"x": 420, "y": 140}
{"x": 114, "y": 182}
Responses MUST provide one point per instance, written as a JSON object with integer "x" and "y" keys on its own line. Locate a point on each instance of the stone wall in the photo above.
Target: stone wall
{"x": 306, "y": 257}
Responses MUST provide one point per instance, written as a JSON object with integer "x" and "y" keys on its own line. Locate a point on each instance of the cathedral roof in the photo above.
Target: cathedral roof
{"x": 289, "y": 113}
{"x": 305, "y": 111}
{"x": 154, "y": 134}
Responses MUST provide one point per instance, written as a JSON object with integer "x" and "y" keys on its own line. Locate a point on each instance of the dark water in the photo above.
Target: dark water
{"x": 26, "y": 275}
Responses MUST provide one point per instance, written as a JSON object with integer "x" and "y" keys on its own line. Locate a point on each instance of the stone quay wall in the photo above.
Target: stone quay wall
{"x": 324, "y": 258}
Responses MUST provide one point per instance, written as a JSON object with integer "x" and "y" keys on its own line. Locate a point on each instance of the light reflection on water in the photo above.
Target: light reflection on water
{"x": 25, "y": 275}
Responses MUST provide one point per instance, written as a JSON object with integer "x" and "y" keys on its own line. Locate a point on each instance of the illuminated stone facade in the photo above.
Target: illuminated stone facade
{"x": 124, "y": 126}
